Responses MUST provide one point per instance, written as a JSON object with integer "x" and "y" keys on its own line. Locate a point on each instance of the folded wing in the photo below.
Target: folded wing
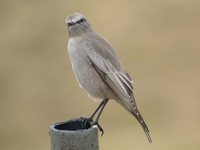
{"x": 119, "y": 81}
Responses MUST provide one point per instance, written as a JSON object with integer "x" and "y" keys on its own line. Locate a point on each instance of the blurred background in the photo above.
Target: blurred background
{"x": 158, "y": 42}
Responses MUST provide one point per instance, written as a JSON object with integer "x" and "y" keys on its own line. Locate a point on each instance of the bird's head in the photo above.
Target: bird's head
{"x": 77, "y": 24}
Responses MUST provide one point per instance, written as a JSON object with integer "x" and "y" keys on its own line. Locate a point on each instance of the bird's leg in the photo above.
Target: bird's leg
{"x": 94, "y": 113}
{"x": 98, "y": 116}
{"x": 100, "y": 109}
{"x": 90, "y": 119}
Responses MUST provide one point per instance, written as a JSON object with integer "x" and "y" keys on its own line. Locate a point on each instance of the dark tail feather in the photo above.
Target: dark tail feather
{"x": 138, "y": 116}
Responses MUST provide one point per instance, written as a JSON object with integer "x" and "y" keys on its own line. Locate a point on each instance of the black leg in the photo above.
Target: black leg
{"x": 100, "y": 109}
{"x": 100, "y": 105}
{"x": 98, "y": 116}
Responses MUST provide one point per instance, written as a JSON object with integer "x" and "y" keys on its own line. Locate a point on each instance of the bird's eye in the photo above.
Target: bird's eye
{"x": 81, "y": 20}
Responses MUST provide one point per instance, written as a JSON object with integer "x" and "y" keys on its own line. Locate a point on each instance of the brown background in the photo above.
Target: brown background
{"x": 158, "y": 42}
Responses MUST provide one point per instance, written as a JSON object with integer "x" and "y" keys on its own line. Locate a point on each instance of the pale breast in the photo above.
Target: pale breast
{"x": 85, "y": 74}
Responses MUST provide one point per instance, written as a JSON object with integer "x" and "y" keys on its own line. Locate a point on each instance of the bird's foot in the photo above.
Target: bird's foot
{"x": 87, "y": 123}
{"x": 99, "y": 127}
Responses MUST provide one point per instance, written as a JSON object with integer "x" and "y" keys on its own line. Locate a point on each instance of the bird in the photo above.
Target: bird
{"x": 98, "y": 69}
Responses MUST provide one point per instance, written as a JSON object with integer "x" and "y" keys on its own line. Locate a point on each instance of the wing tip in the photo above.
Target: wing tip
{"x": 148, "y": 136}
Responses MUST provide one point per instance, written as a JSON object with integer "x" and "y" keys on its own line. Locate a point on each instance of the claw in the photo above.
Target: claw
{"x": 99, "y": 127}
{"x": 88, "y": 122}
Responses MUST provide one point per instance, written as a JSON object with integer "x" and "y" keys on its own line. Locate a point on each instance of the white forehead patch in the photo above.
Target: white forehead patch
{"x": 74, "y": 18}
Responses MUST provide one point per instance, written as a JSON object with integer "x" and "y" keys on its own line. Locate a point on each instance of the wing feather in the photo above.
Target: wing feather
{"x": 120, "y": 82}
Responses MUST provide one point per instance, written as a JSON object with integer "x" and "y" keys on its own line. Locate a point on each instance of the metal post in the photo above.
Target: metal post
{"x": 70, "y": 135}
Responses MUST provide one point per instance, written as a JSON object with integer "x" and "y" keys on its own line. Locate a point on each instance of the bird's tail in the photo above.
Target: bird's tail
{"x": 138, "y": 116}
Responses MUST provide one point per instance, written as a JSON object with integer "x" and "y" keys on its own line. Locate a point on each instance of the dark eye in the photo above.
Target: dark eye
{"x": 81, "y": 20}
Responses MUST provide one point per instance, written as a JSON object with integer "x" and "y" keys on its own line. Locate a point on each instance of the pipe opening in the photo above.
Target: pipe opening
{"x": 73, "y": 125}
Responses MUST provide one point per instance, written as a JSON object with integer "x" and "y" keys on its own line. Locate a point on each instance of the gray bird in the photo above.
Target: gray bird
{"x": 98, "y": 69}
